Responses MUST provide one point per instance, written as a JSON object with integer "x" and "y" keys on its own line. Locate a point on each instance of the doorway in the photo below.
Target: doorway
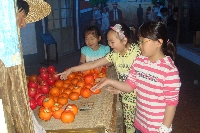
{"x": 61, "y": 26}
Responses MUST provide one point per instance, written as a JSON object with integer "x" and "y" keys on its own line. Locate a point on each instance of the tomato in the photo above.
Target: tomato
{"x": 77, "y": 89}
{"x": 43, "y": 83}
{"x": 45, "y": 114}
{"x": 86, "y": 72}
{"x": 45, "y": 89}
{"x": 55, "y": 91}
{"x": 89, "y": 79}
{"x": 59, "y": 83}
{"x": 51, "y": 69}
{"x": 73, "y": 96}
{"x": 56, "y": 112}
{"x": 32, "y": 92}
{"x": 74, "y": 81}
{"x": 80, "y": 83}
{"x": 71, "y": 76}
{"x": 42, "y": 69}
{"x": 33, "y": 104}
{"x": 39, "y": 79}
{"x": 67, "y": 116}
{"x": 51, "y": 81}
{"x": 65, "y": 85}
{"x": 67, "y": 91}
{"x": 85, "y": 92}
{"x": 55, "y": 76}
{"x": 32, "y": 84}
{"x": 96, "y": 91}
{"x": 48, "y": 102}
{"x": 62, "y": 100}
{"x": 44, "y": 76}
{"x": 63, "y": 95}
{"x": 37, "y": 95}
{"x": 88, "y": 86}
{"x": 40, "y": 100}
{"x": 33, "y": 77}
{"x": 73, "y": 108}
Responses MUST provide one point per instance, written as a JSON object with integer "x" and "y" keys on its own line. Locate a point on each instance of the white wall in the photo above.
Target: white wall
{"x": 28, "y": 39}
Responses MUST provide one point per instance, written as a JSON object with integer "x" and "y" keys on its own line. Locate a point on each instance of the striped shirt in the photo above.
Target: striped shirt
{"x": 157, "y": 85}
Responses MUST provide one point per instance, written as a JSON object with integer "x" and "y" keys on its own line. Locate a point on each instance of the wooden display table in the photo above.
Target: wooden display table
{"x": 101, "y": 117}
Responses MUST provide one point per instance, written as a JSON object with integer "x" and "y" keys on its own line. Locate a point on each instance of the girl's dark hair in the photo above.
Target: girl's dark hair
{"x": 155, "y": 31}
{"x": 130, "y": 34}
{"x": 92, "y": 30}
{"x": 23, "y": 5}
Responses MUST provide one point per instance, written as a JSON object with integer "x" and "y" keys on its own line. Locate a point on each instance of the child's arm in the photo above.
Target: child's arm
{"x": 83, "y": 67}
{"x": 120, "y": 85}
{"x": 171, "y": 92}
{"x": 82, "y": 59}
{"x": 169, "y": 115}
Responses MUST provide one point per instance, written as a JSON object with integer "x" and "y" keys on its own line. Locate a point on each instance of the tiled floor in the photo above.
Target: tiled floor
{"x": 187, "y": 118}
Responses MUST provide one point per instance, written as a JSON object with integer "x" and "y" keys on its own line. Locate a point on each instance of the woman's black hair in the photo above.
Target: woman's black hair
{"x": 23, "y": 5}
{"x": 157, "y": 30}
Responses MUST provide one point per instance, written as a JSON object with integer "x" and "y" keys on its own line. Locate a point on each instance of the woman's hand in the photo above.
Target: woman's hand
{"x": 64, "y": 74}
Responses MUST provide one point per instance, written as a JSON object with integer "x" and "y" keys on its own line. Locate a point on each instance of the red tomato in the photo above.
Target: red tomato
{"x": 32, "y": 84}
{"x": 38, "y": 95}
{"x": 44, "y": 75}
{"x": 51, "y": 69}
{"x": 51, "y": 81}
{"x": 40, "y": 100}
{"x": 89, "y": 79}
{"x": 42, "y": 69}
{"x": 32, "y": 92}
{"x": 33, "y": 104}
{"x": 45, "y": 89}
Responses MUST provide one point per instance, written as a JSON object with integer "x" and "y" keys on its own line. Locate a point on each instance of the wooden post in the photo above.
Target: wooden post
{"x": 13, "y": 86}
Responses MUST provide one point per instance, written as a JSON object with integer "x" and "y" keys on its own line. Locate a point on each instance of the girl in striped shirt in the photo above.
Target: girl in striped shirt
{"x": 155, "y": 78}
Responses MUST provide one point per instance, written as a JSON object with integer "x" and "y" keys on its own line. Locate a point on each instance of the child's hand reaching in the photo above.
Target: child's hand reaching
{"x": 101, "y": 83}
{"x": 64, "y": 74}
{"x": 113, "y": 90}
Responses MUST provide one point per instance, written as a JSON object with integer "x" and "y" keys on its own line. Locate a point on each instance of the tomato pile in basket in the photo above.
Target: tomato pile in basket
{"x": 53, "y": 95}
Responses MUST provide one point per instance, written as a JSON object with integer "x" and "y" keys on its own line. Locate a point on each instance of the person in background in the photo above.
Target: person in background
{"x": 155, "y": 78}
{"x": 149, "y": 15}
{"x": 97, "y": 16}
{"x": 140, "y": 15}
{"x": 172, "y": 25}
{"x": 115, "y": 15}
{"x": 164, "y": 16}
{"x": 159, "y": 6}
{"x": 23, "y": 9}
{"x": 123, "y": 54}
{"x": 93, "y": 50}
{"x": 105, "y": 21}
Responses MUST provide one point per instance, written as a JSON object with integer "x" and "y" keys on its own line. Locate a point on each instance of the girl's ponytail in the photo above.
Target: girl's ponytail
{"x": 169, "y": 49}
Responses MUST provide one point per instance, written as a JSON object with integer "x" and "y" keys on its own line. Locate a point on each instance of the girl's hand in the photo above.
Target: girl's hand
{"x": 101, "y": 83}
{"x": 64, "y": 74}
{"x": 113, "y": 90}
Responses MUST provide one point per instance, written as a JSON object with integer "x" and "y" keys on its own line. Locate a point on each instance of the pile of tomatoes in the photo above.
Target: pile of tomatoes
{"x": 52, "y": 94}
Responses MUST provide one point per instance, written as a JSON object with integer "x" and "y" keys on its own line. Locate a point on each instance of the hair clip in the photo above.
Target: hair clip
{"x": 118, "y": 28}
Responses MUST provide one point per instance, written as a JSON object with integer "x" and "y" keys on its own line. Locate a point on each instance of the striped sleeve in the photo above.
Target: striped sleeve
{"x": 172, "y": 87}
{"x": 132, "y": 76}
